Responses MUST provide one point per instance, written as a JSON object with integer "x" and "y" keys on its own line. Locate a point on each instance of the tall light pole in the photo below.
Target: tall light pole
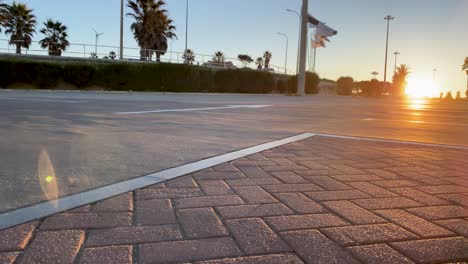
{"x": 121, "y": 28}
{"x": 299, "y": 38}
{"x": 396, "y": 53}
{"x": 388, "y": 18}
{"x": 186, "y": 24}
{"x": 301, "y": 80}
{"x": 286, "y": 53}
{"x": 96, "y": 41}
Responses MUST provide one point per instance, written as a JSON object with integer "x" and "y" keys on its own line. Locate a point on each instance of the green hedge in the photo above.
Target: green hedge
{"x": 147, "y": 77}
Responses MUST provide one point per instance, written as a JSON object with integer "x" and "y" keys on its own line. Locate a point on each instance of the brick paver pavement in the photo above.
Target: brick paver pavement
{"x": 320, "y": 200}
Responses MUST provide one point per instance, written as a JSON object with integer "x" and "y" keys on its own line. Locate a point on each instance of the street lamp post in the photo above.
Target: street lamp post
{"x": 96, "y": 41}
{"x": 388, "y": 18}
{"x": 121, "y": 28}
{"x": 186, "y": 24}
{"x": 299, "y": 38}
{"x": 396, "y": 58}
{"x": 286, "y": 53}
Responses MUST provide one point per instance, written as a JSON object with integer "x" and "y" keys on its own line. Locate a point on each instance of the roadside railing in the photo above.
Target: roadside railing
{"x": 92, "y": 51}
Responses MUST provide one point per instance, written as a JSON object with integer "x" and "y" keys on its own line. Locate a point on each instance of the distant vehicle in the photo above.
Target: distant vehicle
{"x": 269, "y": 69}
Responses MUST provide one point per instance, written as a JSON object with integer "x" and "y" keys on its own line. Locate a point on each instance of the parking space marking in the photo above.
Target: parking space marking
{"x": 42, "y": 100}
{"x": 192, "y": 109}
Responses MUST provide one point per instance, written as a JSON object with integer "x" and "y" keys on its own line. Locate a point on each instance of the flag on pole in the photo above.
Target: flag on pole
{"x": 322, "y": 32}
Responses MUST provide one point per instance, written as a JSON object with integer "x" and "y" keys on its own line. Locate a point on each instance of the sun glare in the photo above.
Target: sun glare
{"x": 420, "y": 88}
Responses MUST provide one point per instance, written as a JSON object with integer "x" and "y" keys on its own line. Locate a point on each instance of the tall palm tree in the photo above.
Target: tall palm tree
{"x": 465, "y": 68}
{"x": 267, "y": 58}
{"x": 55, "y": 37}
{"x": 219, "y": 57}
{"x": 20, "y": 24}
{"x": 151, "y": 28}
{"x": 259, "y": 62}
{"x": 3, "y": 10}
{"x": 399, "y": 79}
{"x": 188, "y": 56}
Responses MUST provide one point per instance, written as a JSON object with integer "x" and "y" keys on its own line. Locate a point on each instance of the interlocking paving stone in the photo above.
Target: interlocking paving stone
{"x": 440, "y": 212}
{"x": 215, "y": 187}
{"x": 384, "y": 174}
{"x": 336, "y": 195}
{"x": 312, "y": 221}
{"x": 86, "y": 221}
{"x": 328, "y": 172}
{"x": 208, "y": 201}
{"x": 313, "y": 165}
{"x": 414, "y": 224}
{"x": 457, "y": 198}
{"x": 371, "y": 189}
{"x": 328, "y": 183}
{"x": 154, "y": 212}
{"x": 200, "y": 223}
{"x": 167, "y": 193}
{"x": 435, "y": 250}
{"x": 253, "y": 182}
{"x": 289, "y": 177}
{"x": 386, "y": 203}
{"x": 283, "y": 161}
{"x": 288, "y": 258}
{"x": 107, "y": 255}
{"x": 255, "y": 237}
{"x": 441, "y": 189}
{"x": 133, "y": 235}
{"x": 396, "y": 183}
{"x": 188, "y": 250}
{"x": 353, "y": 213}
{"x": 367, "y": 234}
{"x": 218, "y": 175}
{"x": 242, "y": 211}
{"x": 356, "y": 177}
{"x": 277, "y": 168}
{"x": 54, "y": 247}
{"x": 378, "y": 253}
{"x": 347, "y": 169}
{"x": 16, "y": 238}
{"x": 121, "y": 203}
{"x": 225, "y": 167}
{"x": 8, "y": 257}
{"x": 182, "y": 182}
{"x": 314, "y": 247}
{"x": 253, "y": 163}
{"x": 420, "y": 197}
{"x": 300, "y": 203}
{"x": 459, "y": 226}
{"x": 292, "y": 187}
{"x": 254, "y": 194}
{"x": 254, "y": 172}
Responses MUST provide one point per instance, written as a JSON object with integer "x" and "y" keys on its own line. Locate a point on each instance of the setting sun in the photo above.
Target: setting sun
{"x": 419, "y": 88}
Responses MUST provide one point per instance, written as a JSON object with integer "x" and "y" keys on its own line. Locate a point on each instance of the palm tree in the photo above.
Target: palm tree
{"x": 189, "y": 56}
{"x": 219, "y": 57}
{"x": 3, "y": 10}
{"x": 267, "y": 57}
{"x": 465, "y": 68}
{"x": 55, "y": 37}
{"x": 259, "y": 63}
{"x": 151, "y": 28}
{"x": 374, "y": 73}
{"x": 399, "y": 79}
{"x": 20, "y": 24}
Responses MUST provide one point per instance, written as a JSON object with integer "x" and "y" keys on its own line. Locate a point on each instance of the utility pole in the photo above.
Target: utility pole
{"x": 396, "y": 58}
{"x": 388, "y": 18}
{"x": 186, "y": 24}
{"x": 286, "y": 53}
{"x": 301, "y": 80}
{"x": 299, "y": 38}
{"x": 121, "y": 28}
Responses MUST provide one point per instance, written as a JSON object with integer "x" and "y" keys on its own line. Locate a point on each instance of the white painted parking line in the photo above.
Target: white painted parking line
{"x": 42, "y": 100}
{"x": 192, "y": 109}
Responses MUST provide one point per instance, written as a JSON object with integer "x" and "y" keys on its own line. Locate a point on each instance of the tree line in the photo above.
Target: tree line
{"x": 348, "y": 86}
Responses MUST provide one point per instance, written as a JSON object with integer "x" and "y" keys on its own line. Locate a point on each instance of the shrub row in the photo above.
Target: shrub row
{"x": 147, "y": 77}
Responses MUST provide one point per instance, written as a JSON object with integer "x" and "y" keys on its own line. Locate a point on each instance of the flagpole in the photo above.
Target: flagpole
{"x": 301, "y": 80}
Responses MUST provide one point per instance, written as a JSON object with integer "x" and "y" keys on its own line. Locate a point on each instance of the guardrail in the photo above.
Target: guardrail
{"x": 80, "y": 50}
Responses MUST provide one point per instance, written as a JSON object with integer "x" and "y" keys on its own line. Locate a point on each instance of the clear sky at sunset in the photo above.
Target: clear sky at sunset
{"x": 428, "y": 33}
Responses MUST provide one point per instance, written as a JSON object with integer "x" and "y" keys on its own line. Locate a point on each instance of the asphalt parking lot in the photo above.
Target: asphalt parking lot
{"x": 85, "y": 140}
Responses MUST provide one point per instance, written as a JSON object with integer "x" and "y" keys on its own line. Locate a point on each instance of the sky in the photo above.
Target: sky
{"x": 429, "y": 34}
